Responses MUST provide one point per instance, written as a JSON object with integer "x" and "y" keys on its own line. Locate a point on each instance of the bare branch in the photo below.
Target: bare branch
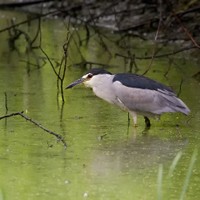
{"x": 59, "y": 137}
{"x": 29, "y": 20}
{"x": 160, "y": 55}
{"x": 155, "y": 39}
{"x": 52, "y": 66}
{"x": 187, "y": 31}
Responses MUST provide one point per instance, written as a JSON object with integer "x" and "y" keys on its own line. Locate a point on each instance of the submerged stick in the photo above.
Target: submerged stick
{"x": 59, "y": 137}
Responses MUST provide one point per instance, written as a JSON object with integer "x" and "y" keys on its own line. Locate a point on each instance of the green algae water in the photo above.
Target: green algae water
{"x": 105, "y": 159}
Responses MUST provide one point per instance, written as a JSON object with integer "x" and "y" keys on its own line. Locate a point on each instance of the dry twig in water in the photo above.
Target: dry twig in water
{"x": 59, "y": 137}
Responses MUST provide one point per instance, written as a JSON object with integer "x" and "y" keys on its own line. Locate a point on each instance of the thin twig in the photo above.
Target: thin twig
{"x": 22, "y": 4}
{"x": 6, "y": 101}
{"x": 180, "y": 88}
{"x": 187, "y": 31}
{"x": 29, "y": 20}
{"x": 63, "y": 64}
{"x": 161, "y": 55}
{"x": 38, "y": 32}
{"x": 132, "y": 62}
{"x": 155, "y": 39}
{"x": 84, "y": 63}
{"x": 52, "y": 66}
{"x": 59, "y": 137}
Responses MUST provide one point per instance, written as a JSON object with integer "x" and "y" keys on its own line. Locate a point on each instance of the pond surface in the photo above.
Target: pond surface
{"x": 105, "y": 159}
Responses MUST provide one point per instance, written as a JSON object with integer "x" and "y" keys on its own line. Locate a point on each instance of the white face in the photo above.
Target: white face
{"x": 94, "y": 81}
{"x": 88, "y": 79}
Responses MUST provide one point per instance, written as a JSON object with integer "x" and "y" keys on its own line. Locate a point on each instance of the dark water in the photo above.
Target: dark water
{"x": 104, "y": 159}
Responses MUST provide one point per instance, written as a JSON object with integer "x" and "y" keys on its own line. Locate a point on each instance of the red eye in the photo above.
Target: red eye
{"x": 89, "y": 75}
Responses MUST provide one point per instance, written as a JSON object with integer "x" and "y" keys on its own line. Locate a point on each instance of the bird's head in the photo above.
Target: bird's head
{"x": 90, "y": 78}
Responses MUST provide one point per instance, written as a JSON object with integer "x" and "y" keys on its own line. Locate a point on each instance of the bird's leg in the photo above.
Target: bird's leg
{"x": 147, "y": 122}
{"x": 135, "y": 121}
{"x": 134, "y": 115}
{"x": 128, "y": 120}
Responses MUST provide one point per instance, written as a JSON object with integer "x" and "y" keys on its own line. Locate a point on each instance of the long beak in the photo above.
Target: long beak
{"x": 75, "y": 83}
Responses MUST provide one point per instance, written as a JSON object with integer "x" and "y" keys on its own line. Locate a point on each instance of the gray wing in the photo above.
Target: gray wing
{"x": 148, "y": 100}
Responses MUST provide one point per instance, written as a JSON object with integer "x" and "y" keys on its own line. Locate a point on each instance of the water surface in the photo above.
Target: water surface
{"x": 105, "y": 159}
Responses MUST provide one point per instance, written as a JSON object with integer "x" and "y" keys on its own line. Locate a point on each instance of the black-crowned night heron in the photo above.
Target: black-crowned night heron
{"x": 134, "y": 93}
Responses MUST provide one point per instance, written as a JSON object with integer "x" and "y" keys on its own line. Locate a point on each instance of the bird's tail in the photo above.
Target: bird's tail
{"x": 177, "y": 105}
{"x": 181, "y": 107}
